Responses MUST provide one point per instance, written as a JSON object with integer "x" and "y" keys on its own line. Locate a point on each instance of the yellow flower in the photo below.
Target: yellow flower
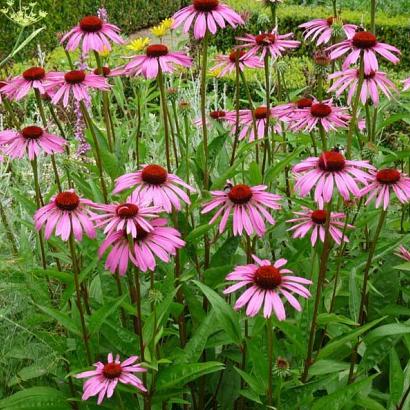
{"x": 138, "y": 44}
{"x": 167, "y": 23}
{"x": 105, "y": 52}
{"x": 159, "y": 30}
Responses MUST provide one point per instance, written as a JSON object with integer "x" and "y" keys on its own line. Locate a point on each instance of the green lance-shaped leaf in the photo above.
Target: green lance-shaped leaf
{"x": 339, "y": 342}
{"x": 180, "y": 374}
{"x": 225, "y": 315}
{"x": 99, "y": 316}
{"x": 342, "y": 396}
{"x": 38, "y": 397}
{"x": 63, "y": 319}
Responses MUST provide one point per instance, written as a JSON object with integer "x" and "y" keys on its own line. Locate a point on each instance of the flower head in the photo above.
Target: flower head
{"x": 285, "y": 112}
{"x": 226, "y": 64}
{"x": 156, "y": 186}
{"x": 206, "y": 15}
{"x": 18, "y": 87}
{"x": 67, "y": 214}
{"x": 30, "y": 140}
{"x": 162, "y": 29}
{"x": 156, "y": 56}
{"x": 160, "y": 242}
{"x": 315, "y": 220}
{"x": 104, "y": 379}
{"x": 325, "y": 113}
{"x": 266, "y": 283}
{"x": 372, "y": 83}
{"x": 248, "y": 206}
{"x": 322, "y": 30}
{"x": 364, "y": 43}
{"x": 403, "y": 253}
{"x": 383, "y": 182}
{"x": 94, "y": 34}
{"x": 273, "y": 44}
{"x": 138, "y": 44}
{"x": 75, "y": 84}
{"x": 130, "y": 216}
{"x": 328, "y": 170}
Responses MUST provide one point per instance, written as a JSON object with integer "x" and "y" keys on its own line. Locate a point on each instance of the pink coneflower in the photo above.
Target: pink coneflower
{"x": 325, "y": 113}
{"x": 265, "y": 283}
{"x": 406, "y": 84}
{"x": 219, "y": 116}
{"x": 262, "y": 115}
{"x": 162, "y": 242}
{"x": 18, "y": 87}
{"x": 384, "y": 180}
{"x": 76, "y": 83}
{"x": 104, "y": 379}
{"x": 328, "y": 170}
{"x": 349, "y": 79}
{"x": 208, "y": 16}
{"x": 107, "y": 72}
{"x": 226, "y": 64}
{"x": 273, "y": 43}
{"x": 156, "y": 186}
{"x": 93, "y": 34}
{"x": 156, "y": 56}
{"x": 66, "y": 213}
{"x": 129, "y": 216}
{"x": 285, "y": 111}
{"x": 403, "y": 253}
{"x": 321, "y": 30}
{"x": 247, "y": 205}
{"x": 315, "y": 220}
{"x": 30, "y": 140}
{"x": 363, "y": 42}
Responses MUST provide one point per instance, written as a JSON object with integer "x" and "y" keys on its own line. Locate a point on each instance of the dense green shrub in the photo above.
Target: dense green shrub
{"x": 392, "y": 30}
{"x": 130, "y": 15}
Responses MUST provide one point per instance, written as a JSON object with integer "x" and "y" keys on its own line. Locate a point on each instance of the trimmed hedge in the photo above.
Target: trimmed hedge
{"x": 392, "y": 30}
{"x": 129, "y": 15}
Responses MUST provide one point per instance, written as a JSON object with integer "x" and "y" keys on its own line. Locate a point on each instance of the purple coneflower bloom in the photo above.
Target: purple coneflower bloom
{"x": 261, "y": 114}
{"x": 364, "y": 42}
{"x": 107, "y": 72}
{"x": 219, "y": 116}
{"x": 265, "y": 283}
{"x": 371, "y": 84}
{"x": 273, "y": 43}
{"x": 104, "y": 379}
{"x": 160, "y": 242}
{"x": 30, "y": 140}
{"x": 129, "y": 216}
{"x": 67, "y": 214}
{"x": 94, "y": 34}
{"x": 380, "y": 184}
{"x": 156, "y": 56}
{"x": 321, "y": 30}
{"x": 328, "y": 170}
{"x": 315, "y": 220}
{"x": 325, "y": 113}
{"x": 18, "y": 87}
{"x": 226, "y": 64}
{"x": 76, "y": 83}
{"x": 208, "y": 15}
{"x": 406, "y": 84}
{"x": 248, "y": 206}
{"x": 403, "y": 253}
{"x": 285, "y": 111}
{"x": 156, "y": 186}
